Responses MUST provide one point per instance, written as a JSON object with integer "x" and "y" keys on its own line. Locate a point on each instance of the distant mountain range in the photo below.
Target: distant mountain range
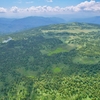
{"x": 94, "y": 20}
{"x": 8, "y": 25}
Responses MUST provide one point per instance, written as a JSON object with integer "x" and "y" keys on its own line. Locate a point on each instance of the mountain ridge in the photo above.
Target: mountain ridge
{"x": 8, "y": 25}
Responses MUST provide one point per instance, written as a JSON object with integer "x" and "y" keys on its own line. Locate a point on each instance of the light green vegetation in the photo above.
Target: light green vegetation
{"x": 71, "y": 31}
{"x": 56, "y": 69}
{"x": 57, "y": 88}
{"x": 57, "y": 50}
{"x": 72, "y": 28}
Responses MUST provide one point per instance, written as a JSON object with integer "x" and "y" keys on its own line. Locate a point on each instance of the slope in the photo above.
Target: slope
{"x": 55, "y": 62}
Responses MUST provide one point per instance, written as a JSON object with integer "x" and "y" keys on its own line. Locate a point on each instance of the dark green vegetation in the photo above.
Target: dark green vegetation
{"x": 56, "y": 62}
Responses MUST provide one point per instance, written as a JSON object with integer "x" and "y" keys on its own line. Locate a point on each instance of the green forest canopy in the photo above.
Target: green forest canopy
{"x": 55, "y": 62}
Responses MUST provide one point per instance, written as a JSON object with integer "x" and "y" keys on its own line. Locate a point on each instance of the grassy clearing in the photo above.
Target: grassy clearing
{"x": 56, "y": 70}
{"x": 56, "y": 51}
{"x": 60, "y": 49}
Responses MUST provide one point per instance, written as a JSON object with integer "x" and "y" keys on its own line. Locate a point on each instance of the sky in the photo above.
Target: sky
{"x": 71, "y": 8}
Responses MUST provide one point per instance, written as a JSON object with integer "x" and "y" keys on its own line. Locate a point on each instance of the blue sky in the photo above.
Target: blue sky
{"x": 23, "y": 8}
{"x": 28, "y": 3}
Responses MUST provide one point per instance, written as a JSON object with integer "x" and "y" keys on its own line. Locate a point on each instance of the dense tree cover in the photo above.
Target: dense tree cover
{"x": 41, "y": 64}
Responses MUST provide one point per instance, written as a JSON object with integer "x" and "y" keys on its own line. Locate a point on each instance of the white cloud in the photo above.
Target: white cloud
{"x": 86, "y": 6}
{"x": 15, "y": 9}
{"x": 89, "y": 6}
{"x": 3, "y": 10}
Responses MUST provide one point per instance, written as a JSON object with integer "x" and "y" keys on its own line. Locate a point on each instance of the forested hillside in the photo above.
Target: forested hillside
{"x": 55, "y": 62}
